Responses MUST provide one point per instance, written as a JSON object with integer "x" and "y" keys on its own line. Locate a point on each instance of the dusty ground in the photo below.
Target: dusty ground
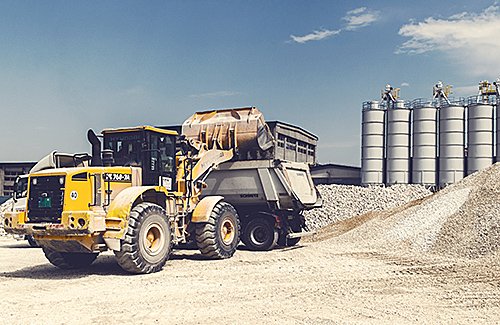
{"x": 321, "y": 282}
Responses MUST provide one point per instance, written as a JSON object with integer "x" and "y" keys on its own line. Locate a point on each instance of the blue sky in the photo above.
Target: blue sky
{"x": 67, "y": 66}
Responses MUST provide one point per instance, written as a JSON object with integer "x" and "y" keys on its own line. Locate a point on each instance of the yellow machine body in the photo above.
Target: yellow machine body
{"x": 93, "y": 204}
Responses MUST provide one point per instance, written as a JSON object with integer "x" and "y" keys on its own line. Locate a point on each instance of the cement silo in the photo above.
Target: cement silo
{"x": 451, "y": 143}
{"x": 479, "y": 135}
{"x": 398, "y": 144}
{"x": 372, "y": 138}
{"x": 424, "y": 163}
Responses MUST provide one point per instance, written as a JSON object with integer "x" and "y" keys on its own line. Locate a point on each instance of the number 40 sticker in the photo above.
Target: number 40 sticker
{"x": 73, "y": 195}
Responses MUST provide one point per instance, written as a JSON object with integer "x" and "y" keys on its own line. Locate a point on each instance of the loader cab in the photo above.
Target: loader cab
{"x": 147, "y": 147}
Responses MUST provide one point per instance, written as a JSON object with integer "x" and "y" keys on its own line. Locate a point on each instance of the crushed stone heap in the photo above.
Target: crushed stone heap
{"x": 345, "y": 201}
{"x": 461, "y": 220}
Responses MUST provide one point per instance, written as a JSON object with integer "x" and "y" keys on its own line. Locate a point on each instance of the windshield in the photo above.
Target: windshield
{"x": 21, "y": 187}
{"x": 126, "y": 147}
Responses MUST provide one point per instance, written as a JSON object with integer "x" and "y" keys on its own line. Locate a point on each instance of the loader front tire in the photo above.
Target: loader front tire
{"x": 66, "y": 260}
{"x": 147, "y": 244}
{"x": 260, "y": 235}
{"x": 219, "y": 237}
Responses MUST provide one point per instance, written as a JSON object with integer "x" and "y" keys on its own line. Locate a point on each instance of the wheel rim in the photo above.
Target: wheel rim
{"x": 227, "y": 231}
{"x": 259, "y": 235}
{"x": 154, "y": 239}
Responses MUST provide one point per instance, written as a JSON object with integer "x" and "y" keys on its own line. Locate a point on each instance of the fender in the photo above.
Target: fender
{"x": 204, "y": 208}
{"x": 119, "y": 211}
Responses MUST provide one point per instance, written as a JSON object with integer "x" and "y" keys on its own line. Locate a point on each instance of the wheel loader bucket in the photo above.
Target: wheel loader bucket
{"x": 242, "y": 129}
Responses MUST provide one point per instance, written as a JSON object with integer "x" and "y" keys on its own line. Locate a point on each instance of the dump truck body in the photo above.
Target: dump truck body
{"x": 275, "y": 192}
{"x": 276, "y": 185}
{"x": 268, "y": 194}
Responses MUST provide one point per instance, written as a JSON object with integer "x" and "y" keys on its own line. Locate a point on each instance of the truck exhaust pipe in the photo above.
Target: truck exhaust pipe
{"x": 96, "y": 148}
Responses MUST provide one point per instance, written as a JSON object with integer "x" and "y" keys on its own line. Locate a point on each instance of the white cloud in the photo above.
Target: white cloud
{"x": 223, "y": 93}
{"x": 360, "y": 17}
{"x": 315, "y": 35}
{"x": 470, "y": 39}
{"x": 356, "y": 18}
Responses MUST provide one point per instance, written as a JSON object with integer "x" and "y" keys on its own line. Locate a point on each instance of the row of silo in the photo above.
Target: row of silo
{"x": 424, "y": 143}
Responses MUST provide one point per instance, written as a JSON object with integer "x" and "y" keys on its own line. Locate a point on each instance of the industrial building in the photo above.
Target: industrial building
{"x": 433, "y": 142}
{"x": 293, "y": 143}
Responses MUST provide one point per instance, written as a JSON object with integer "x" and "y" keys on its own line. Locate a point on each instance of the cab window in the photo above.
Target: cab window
{"x": 21, "y": 187}
{"x": 126, "y": 148}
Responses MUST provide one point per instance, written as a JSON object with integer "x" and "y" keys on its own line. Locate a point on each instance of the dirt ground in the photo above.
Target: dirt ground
{"x": 315, "y": 282}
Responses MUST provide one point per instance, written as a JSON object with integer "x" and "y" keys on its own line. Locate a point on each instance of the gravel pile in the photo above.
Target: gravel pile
{"x": 345, "y": 201}
{"x": 462, "y": 220}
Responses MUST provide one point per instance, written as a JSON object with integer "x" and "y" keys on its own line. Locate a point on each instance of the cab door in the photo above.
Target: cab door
{"x": 159, "y": 160}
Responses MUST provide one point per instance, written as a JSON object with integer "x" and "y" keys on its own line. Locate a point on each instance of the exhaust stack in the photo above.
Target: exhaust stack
{"x": 96, "y": 148}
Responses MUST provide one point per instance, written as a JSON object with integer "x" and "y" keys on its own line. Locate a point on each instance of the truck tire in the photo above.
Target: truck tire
{"x": 66, "y": 260}
{"x": 260, "y": 235}
{"x": 219, "y": 237}
{"x": 148, "y": 240}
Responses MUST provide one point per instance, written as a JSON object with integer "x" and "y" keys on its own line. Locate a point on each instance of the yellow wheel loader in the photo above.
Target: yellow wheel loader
{"x": 138, "y": 197}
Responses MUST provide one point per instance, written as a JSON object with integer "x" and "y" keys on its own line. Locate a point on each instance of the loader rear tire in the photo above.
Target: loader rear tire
{"x": 260, "y": 235}
{"x": 66, "y": 260}
{"x": 148, "y": 240}
{"x": 219, "y": 237}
